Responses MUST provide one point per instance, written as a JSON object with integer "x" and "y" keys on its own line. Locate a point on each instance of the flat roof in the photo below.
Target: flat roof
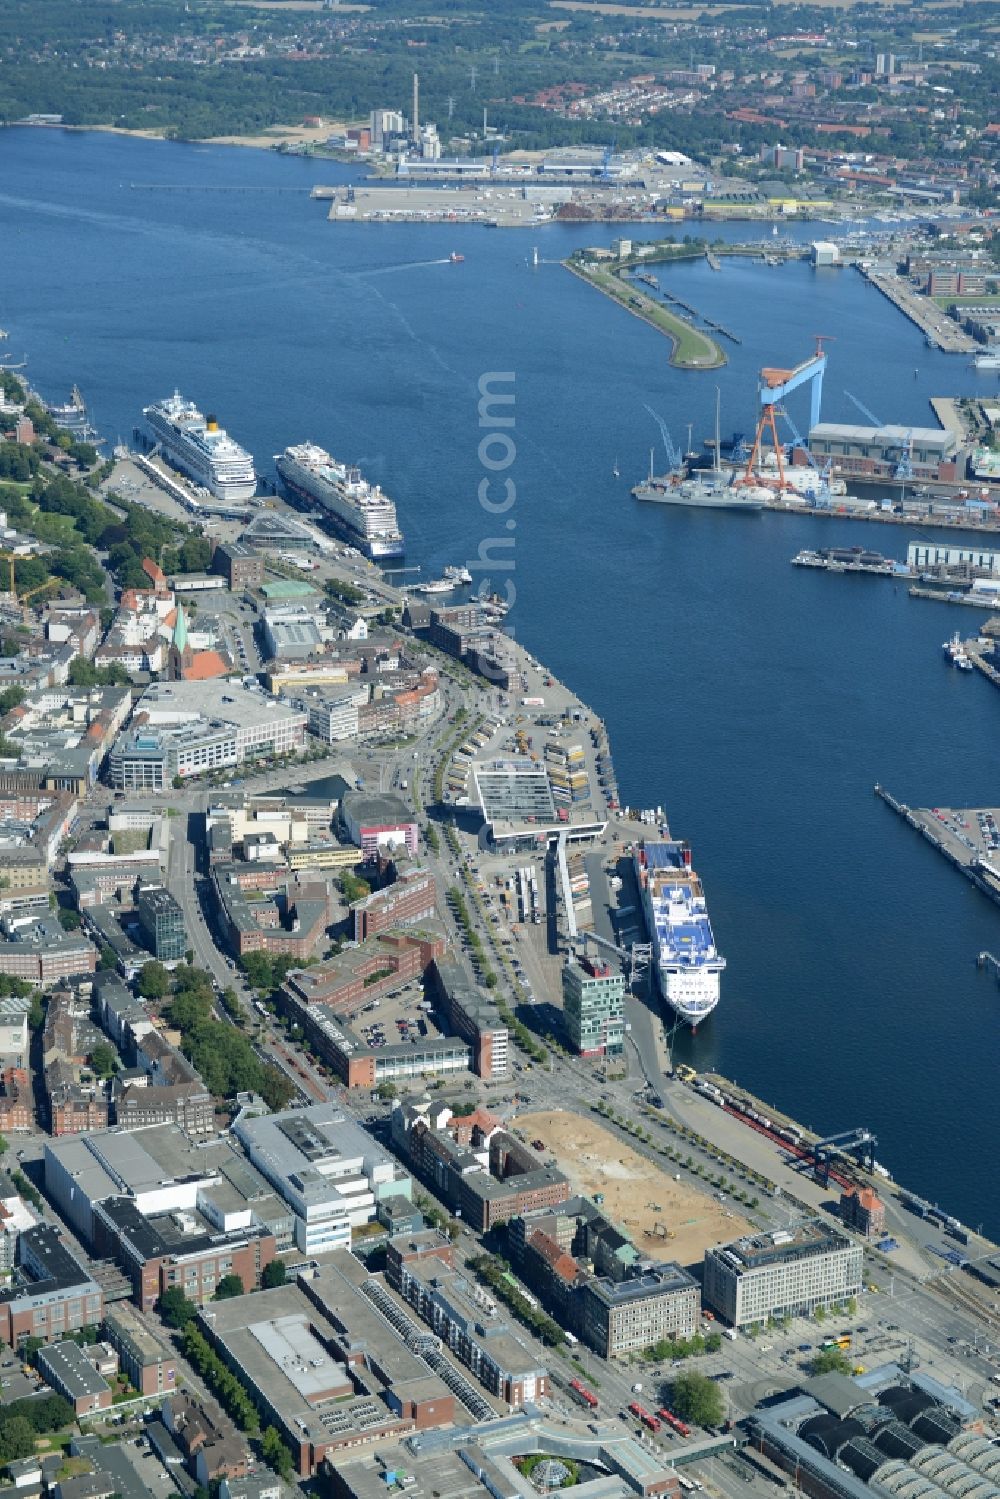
{"x": 889, "y": 435}
{"x": 66, "y": 1362}
{"x": 292, "y": 1346}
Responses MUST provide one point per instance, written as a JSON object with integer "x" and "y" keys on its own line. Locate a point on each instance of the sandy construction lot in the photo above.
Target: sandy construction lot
{"x": 637, "y": 1193}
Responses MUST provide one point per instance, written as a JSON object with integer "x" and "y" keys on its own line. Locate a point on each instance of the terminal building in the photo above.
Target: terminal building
{"x": 785, "y": 1273}
{"x": 881, "y": 1435}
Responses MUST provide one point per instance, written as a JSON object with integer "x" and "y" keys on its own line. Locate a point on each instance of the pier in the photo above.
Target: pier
{"x": 941, "y": 331}
{"x": 692, "y": 349}
{"x": 693, "y": 312}
{"x": 947, "y": 830}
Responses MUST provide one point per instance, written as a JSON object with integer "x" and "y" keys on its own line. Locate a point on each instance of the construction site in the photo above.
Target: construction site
{"x": 662, "y": 1215}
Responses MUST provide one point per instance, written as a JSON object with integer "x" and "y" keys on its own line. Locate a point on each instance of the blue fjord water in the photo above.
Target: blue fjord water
{"x": 757, "y": 702}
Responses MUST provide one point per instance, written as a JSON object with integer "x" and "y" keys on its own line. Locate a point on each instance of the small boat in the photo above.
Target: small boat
{"x": 616, "y": 470}
{"x": 455, "y": 258}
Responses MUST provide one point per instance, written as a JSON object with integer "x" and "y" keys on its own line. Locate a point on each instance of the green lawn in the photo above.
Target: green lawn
{"x": 692, "y": 349}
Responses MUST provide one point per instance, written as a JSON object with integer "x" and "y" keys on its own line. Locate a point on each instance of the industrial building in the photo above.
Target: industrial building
{"x": 885, "y": 452}
{"x": 329, "y": 1171}
{"x": 171, "y": 1211}
{"x": 789, "y": 1272}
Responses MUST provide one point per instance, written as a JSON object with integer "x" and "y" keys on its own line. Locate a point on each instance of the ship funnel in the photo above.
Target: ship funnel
{"x": 686, "y": 856}
{"x": 212, "y": 422}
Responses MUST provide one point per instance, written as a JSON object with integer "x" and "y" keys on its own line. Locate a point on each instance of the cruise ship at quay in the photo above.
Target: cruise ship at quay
{"x": 684, "y": 956}
{"x": 200, "y": 448}
{"x": 358, "y": 511}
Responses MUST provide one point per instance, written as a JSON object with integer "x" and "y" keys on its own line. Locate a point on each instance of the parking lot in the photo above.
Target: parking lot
{"x": 396, "y": 1018}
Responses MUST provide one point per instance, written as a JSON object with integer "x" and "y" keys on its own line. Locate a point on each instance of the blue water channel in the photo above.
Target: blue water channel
{"x": 757, "y": 702}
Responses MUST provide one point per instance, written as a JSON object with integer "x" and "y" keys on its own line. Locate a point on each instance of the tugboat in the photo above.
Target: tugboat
{"x": 455, "y": 258}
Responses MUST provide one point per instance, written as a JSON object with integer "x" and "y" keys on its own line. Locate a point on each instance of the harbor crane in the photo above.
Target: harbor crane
{"x": 774, "y": 386}
{"x": 674, "y": 460}
{"x": 904, "y": 463}
{"x": 858, "y": 1144}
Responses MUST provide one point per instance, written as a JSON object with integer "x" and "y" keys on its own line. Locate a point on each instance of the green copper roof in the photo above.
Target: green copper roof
{"x": 180, "y": 629}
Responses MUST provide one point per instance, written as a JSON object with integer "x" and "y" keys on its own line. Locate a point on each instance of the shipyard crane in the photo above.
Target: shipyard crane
{"x": 865, "y": 412}
{"x": 820, "y": 495}
{"x": 674, "y": 460}
{"x": 774, "y": 386}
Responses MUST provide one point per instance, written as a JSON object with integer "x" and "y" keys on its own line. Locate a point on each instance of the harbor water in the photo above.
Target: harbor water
{"x": 759, "y": 703}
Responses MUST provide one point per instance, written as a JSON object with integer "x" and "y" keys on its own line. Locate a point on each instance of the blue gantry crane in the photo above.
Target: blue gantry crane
{"x": 774, "y": 386}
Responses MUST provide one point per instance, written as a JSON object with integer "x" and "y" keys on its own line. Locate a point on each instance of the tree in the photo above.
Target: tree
{"x": 153, "y": 980}
{"x": 228, "y": 1287}
{"x": 386, "y": 1090}
{"x": 696, "y": 1399}
{"x": 275, "y": 1453}
{"x": 17, "y": 1438}
{"x": 177, "y": 783}
{"x": 69, "y": 920}
{"x": 103, "y": 1059}
{"x": 175, "y": 1309}
{"x": 831, "y": 1361}
{"x": 273, "y": 1275}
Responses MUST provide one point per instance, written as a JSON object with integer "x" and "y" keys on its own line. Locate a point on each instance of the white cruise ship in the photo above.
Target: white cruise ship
{"x": 357, "y": 511}
{"x": 199, "y": 447}
{"x": 684, "y": 955}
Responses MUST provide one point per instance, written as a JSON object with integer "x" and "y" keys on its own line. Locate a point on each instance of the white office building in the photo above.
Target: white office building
{"x": 329, "y": 1170}
{"x": 785, "y": 1273}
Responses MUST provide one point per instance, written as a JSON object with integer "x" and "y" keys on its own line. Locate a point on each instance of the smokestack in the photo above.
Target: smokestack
{"x": 416, "y": 107}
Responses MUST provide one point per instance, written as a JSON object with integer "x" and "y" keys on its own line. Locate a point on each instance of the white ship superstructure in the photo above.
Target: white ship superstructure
{"x": 684, "y": 956}
{"x": 200, "y": 448}
{"x": 357, "y": 510}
